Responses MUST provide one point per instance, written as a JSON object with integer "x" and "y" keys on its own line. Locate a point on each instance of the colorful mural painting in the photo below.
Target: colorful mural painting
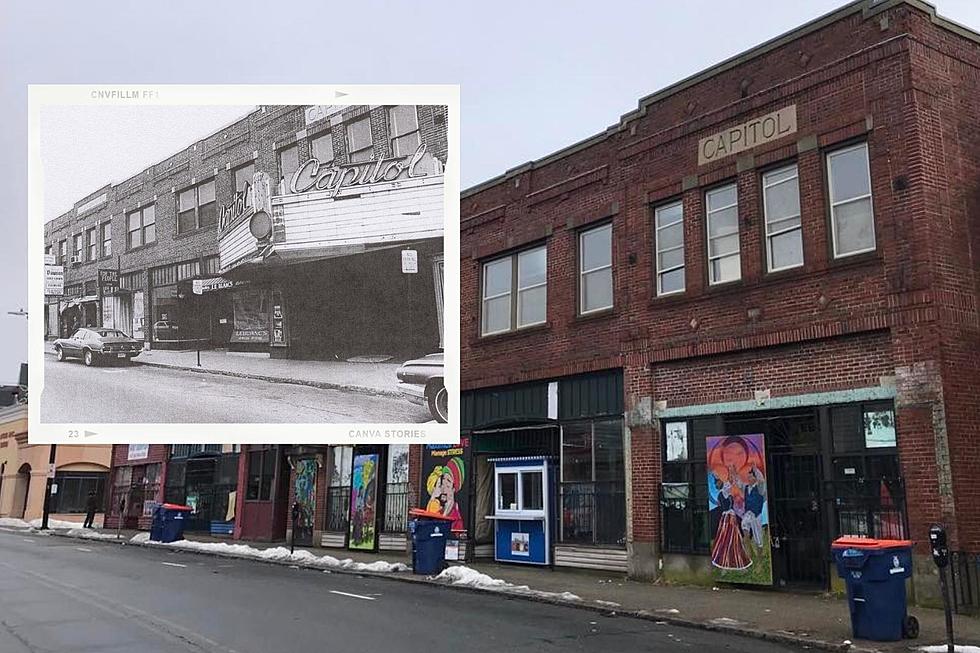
{"x": 444, "y": 473}
{"x": 304, "y": 491}
{"x": 738, "y": 509}
{"x": 363, "y": 502}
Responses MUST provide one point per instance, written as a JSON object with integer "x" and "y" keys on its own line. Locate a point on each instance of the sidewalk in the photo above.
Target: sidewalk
{"x": 377, "y": 379}
{"x": 815, "y": 621}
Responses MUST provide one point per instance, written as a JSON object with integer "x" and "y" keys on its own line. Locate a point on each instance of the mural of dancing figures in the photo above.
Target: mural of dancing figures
{"x": 739, "y": 509}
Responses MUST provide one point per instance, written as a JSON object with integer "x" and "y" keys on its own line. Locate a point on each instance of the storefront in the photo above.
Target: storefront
{"x": 575, "y": 423}
{"x": 135, "y": 484}
{"x": 263, "y": 499}
{"x": 205, "y": 478}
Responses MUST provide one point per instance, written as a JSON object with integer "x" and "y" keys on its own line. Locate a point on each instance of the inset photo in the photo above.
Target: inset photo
{"x": 216, "y": 263}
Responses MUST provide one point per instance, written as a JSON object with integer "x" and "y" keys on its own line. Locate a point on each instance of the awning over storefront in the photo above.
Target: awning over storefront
{"x": 65, "y": 305}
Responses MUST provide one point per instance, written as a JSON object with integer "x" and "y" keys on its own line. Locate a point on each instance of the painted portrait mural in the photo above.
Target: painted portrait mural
{"x": 739, "y": 509}
{"x": 444, "y": 470}
{"x": 304, "y": 490}
{"x": 363, "y": 502}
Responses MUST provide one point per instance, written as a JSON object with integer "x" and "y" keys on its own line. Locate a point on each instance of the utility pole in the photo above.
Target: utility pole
{"x": 47, "y": 490}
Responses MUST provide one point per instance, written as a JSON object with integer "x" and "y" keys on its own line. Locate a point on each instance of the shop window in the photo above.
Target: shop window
{"x": 196, "y": 207}
{"x": 338, "y": 491}
{"x": 212, "y": 265}
{"x": 724, "y": 260}
{"x": 74, "y": 488}
{"x": 784, "y": 231}
{"x": 288, "y": 165}
{"x": 592, "y": 488}
{"x": 851, "y": 211}
{"x": 261, "y": 473}
{"x": 595, "y": 269}
{"x": 396, "y": 489}
{"x": 403, "y": 126}
{"x": 107, "y": 239}
{"x": 188, "y": 270}
{"x": 360, "y": 144}
{"x": 669, "y": 242}
{"x": 683, "y": 493}
{"x": 93, "y": 244}
{"x": 321, "y": 148}
{"x": 515, "y": 291}
{"x": 141, "y": 227}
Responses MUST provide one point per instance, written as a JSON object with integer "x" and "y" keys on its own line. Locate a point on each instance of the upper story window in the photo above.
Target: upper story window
{"x": 242, "y": 178}
{"x": 47, "y": 249}
{"x": 288, "y": 165}
{"x": 107, "y": 239}
{"x": 595, "y": 269}
{"x": 724, "y": 261}
{"x": 141, "y": 227}
{"x": 515, "y": 291}
{"x": 62, "y": 251}
{"x": 403, "y": 126}
{"x": 669, "y": 238}
{"x": 79, "y": 248}
{"x": 784, "y": 230}
{"x": 851, "y": 211}
{"x": 360, "y": 145}
{"x": 196, "y": 207}
{"x": 321, "y": 148}
{"x": 93, "y": 244}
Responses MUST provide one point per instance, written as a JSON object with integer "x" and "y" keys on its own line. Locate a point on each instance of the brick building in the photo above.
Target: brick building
{"x": 178, "y": 254}
{"x": 784, "y": 244}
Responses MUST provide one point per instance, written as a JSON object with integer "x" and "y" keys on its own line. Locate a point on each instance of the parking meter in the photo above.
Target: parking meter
{"x": 940, "y": 547}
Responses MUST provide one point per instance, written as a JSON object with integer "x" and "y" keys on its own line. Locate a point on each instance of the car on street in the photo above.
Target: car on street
{"x": 94, "y": 344}
{"x": 422, "y": 381}
{"x": 166, "y": 330}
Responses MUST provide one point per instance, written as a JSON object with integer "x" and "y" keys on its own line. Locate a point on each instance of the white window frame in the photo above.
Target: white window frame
{"x": 582, "y": 272}
{"x": 833, "y": 205}
{"x": 765, "y": 211}
{"x": 394, "y": 136}
{"x": 657, "y": 251}
{"x": 106, "y": 236}
{"x": 738, "y": 234}
{"x": 369, "y": 147}
{"x": 519, "y": 472}
{"x": 484, "y": 299}
{"x": 516, "y": 277}
{"x": 514, "y": 292}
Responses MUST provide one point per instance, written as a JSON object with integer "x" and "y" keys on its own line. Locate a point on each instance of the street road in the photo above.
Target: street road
{"x": 67, "y": 595}
{"x": 136, "y": 393}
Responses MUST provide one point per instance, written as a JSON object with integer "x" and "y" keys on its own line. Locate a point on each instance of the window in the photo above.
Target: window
{"x": 93, "y": 244}
{"x": 724, "y": 262}
{"x": 196, "y": 207}
{"x": 242, "y": 178}
{"x": 343, "y": 457}
{"x": 592, "y": 489}
{"x": 784, "y": 232}
{"x": 73, "y": 491}
{"x": 62, "y": 251}
{"x": 684, "y": 491}
{"x": 261, "y": 473}
{"x": 338, "y": 492}
{"x": 532, "y": 491}
{"x": 522, "y": 275}
{"x": 403, "y": 125}
{"x": 321, "y": 148}
{"x": 670, "y": 248}
{"x": 851, "y": 212}
{"x": 78, "y": 248}
{"x": 520, "y": 489}
{"x": 141, "y": 226}
{"x": 359, "y": 141}
{"x": 107, "y": 239}
{"x": 508, "y": 491}
{"x": 288, "y": 164}
{"x": 595, "y": 269}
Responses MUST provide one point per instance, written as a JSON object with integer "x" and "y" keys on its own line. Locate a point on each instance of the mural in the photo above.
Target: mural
{"x": 444, "y": 477}
{"x": 304, "y": 491}
{"x": 363, "y": 502}
{"x": 738, "y": 509}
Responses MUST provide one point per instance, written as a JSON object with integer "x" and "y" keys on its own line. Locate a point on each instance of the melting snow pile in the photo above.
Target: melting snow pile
{"x": 10, "y": 522}
{"x": 57, "y": 523}
{"x": 462, "y": 575}
{"x": 941, "y": 648}
{"x": 87, "y": 534}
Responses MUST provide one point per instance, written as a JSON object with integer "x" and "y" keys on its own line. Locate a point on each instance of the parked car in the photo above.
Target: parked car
{"x": 97, "y": 344}
{"x": 166, "y": 330}
{"x": 421, "y": 381}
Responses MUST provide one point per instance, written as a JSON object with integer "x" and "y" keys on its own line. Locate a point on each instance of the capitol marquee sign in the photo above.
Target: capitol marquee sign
{"x": 314, "y": 176}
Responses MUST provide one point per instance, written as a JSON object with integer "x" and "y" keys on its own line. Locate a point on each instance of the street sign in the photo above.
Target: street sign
{"x": 198, "y": 286}
{"x": 410, "y": 261}
{"x": 54, "y": 280}
{"x": 49, "y": 259}
{"x": 51, "y": 470}
{"x": 108, "y": 281}
{"x": 54, "y": 489}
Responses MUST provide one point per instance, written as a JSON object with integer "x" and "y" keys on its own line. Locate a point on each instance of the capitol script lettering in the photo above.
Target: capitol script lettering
{"x": 334, "y": 178}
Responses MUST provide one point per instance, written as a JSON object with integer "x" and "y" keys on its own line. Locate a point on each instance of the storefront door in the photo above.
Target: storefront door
{"x": 304, "y": 491}
{"x": 199, "y": 482}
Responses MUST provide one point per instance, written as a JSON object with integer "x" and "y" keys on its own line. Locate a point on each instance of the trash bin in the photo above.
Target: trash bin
{"x": 168, "y": 523}
{"x": 874, "y": 572}
{"x": 429, "y": 534}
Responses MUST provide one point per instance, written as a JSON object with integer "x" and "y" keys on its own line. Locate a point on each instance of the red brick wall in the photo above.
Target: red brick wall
{"x": 158, "y": 453}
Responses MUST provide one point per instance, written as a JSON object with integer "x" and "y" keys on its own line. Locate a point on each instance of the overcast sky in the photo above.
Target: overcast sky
{"x": 534, "y": 76}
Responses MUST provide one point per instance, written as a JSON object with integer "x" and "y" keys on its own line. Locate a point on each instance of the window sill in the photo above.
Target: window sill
{"x": 778, "y": 275}
{"x": 537, "y": 328}
{"x": 874, "y": 256}
{"x": 595, "y": 315}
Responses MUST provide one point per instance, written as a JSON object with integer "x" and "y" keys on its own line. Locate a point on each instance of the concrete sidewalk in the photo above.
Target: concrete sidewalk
{"x": 367, "y": 378}
{"x": 817, "y": 621}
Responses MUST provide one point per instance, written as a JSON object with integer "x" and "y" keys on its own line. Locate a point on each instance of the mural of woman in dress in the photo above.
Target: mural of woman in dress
{"x": 728, "y": 549}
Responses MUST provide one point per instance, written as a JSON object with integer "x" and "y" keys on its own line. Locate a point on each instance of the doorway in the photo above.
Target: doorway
{"x": 22, "y": 490}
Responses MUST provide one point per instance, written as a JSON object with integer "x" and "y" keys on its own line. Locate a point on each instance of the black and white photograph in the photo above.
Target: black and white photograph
{"x": 244, "y": 263}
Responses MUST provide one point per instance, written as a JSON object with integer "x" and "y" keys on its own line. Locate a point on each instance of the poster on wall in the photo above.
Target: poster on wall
{"x": 363, "y": 501}
{"x": 444, "y": 470}
{"x": 251, "y": 316}
{"x": 739, "y": 509}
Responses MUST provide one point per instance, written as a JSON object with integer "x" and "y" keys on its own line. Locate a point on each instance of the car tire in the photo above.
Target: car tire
{"x": 88, "y": 357}
{"x": 438, "y": 398}
{"x": 60, "y": 353}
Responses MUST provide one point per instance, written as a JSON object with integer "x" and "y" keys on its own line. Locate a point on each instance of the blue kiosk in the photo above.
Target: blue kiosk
{"x": 523, "y": 506}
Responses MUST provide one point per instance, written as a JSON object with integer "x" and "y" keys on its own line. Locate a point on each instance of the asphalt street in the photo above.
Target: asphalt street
{"x": 143, "y": 394}
{"x": 73, "y": 596}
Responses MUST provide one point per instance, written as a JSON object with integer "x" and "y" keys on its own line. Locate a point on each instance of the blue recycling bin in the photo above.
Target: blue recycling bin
{"x": 875, "y": 572}
{"x": 429, "y": 534}
{"x": 168, "y": 523}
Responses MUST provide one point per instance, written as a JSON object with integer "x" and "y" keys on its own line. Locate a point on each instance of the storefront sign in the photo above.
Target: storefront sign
{"x": 50, "y": 259}
{"x": 54, "y": 280}
{"x": 747, "y": 135}
{"x": 738, "y": 509}
{"x": 108, "y": 281}
{"x": 230, "y": 212}
{"x": 312, "y": 177}
{"x": 410, "y": 261}
{"x": 278, "y": 320}
{"x": 444, "y": 474}
{"x": 138, "y": 452}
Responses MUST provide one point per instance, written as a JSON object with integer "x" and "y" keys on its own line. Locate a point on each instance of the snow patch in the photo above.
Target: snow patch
{"x": 11, "y": 522}
{"x": 88, "y": 534}
{"x": 941, "y": 648}
{"x": 611, "y": 604}
{"x": 57, "y": 523}
{"x": 465, "y": 576}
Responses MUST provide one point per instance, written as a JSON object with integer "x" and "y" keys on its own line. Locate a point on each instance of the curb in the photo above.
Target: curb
{"x": 644, "y": 614}
{"x": 323, "y": 385}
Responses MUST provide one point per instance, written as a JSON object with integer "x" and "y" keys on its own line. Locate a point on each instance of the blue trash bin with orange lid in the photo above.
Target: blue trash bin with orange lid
{"x": 875, "y": 572}
{"x": 429, "y": 534}
{"x": 168, "y": 522}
